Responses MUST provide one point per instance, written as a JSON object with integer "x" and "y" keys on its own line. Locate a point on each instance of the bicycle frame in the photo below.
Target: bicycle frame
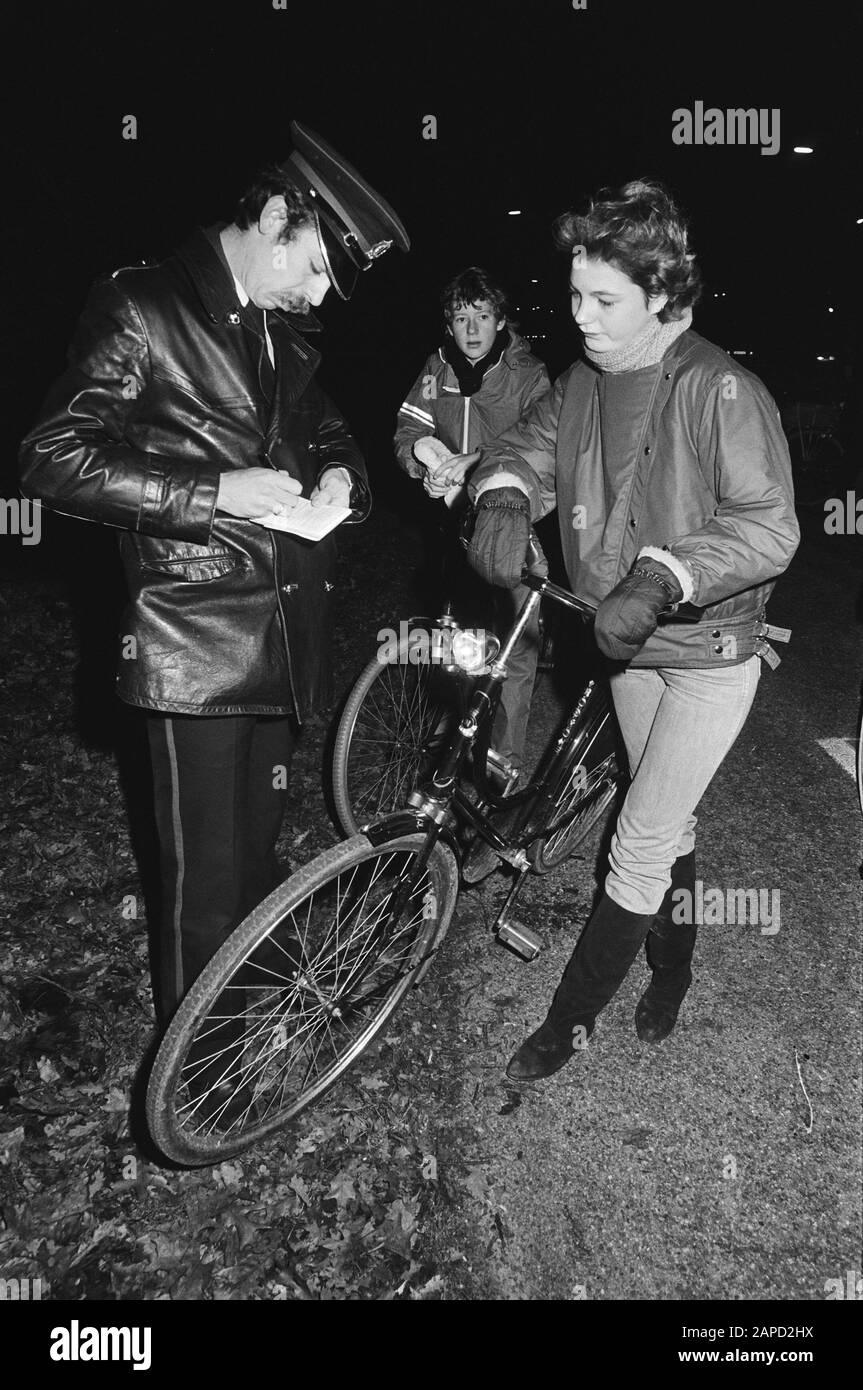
{"x": 430, "y": 807}
{"x": 443, "y": 793}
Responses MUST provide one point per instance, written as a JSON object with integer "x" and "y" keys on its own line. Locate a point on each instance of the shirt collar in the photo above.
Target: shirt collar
{"x": 241, "y": 293}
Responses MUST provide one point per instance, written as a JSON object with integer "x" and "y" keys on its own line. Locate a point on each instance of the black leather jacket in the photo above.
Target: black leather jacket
{"x": 162, "y": 393}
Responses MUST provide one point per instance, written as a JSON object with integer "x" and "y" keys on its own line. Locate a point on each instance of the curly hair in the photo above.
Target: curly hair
{"x": 471, "y": 286}
{"x": 640, "y": 230}
{"x": 270, "y": 181}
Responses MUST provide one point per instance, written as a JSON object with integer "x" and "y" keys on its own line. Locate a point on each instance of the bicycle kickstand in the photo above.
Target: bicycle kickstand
{"x": 519, "y": 938}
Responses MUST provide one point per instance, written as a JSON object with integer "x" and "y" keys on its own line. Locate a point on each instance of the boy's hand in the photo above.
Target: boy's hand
{"x": 449, "y": 475}
{"x": 334, "y": 489}
{"x": 433, "y": 485}
{"x": 442, "y": 470}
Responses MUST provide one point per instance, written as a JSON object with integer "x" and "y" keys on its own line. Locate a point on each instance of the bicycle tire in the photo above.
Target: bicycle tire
{"x": 302, "y": 1021}
{"x": 584, "y": 789}
{"x": 396, "y": 720}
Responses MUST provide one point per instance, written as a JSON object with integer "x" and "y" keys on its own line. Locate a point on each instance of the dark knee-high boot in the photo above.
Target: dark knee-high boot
{"x": 669, "y": 948}
{"x": 611, "y": 940}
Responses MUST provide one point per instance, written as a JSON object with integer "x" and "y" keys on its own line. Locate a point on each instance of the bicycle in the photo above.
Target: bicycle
{"x": 401, "y": 711}
{"x": 303, "y": 985}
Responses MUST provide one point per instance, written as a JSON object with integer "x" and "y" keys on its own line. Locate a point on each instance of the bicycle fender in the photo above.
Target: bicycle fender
{"x": 409, "y": 823}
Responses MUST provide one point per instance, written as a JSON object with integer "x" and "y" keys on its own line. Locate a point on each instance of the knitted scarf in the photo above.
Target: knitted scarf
{"x": 646, "y": 349}
{"x": 470, "y": 374}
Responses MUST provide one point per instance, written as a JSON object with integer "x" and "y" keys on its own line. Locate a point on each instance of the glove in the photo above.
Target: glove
{"x": 630, "y": 613}
{"x": 500, "y": 539}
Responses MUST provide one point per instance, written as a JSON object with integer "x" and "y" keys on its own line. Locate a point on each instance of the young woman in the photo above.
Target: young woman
{"x": 671, "y": 477}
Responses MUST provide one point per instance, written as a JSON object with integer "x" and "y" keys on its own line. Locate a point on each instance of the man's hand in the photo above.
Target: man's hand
{"x": 450, "y": 474}
{"x": 334, "y": 489}
{"x": 629, "y": 614}
{"x": 251, "y": 492}
{"x": 498, "y": 548}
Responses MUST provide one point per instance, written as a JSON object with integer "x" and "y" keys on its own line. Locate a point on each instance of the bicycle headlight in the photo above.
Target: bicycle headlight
{"x": 474, "y": 651}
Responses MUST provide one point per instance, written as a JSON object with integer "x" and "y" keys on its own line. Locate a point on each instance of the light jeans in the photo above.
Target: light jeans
{"x": 677, "y": 725}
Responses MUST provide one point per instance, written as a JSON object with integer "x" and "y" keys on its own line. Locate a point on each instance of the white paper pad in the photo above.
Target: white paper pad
{"x": 311, "y": 523}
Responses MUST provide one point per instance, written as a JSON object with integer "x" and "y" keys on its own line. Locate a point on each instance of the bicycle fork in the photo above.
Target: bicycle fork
{"x": 433, "y": 800}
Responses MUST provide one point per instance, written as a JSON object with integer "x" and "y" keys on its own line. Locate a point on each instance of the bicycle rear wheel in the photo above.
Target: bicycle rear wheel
{"x": 398, "y": 717}
{"x": 585, "y": 788}
{"x": 296, "y": 994}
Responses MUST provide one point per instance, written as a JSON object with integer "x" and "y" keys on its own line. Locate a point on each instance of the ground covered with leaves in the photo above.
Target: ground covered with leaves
{"x": 423, "y": 1175}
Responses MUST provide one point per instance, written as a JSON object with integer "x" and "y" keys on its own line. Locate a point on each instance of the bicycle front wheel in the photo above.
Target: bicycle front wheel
{"x": 296, "y": 994}
{"x": 398, "y": 718}
{"x": 585, "y": 788}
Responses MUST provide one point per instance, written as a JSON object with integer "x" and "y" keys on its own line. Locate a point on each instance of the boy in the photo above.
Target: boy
{"x": 476, "y": 385}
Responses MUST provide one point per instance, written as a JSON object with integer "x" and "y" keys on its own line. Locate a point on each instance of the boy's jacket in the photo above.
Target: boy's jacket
{"x": 436, "y": 406}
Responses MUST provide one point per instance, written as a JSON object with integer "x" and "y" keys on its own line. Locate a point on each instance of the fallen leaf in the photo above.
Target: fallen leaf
{"x": 231, "y": 1174}
{"x": 476, "y": 1183}
{"x": 47, "y": 1070}
{"x": 300, "y": 1188}
{"x": 433, "y": 1285}
{"x": 10, "y": 1142}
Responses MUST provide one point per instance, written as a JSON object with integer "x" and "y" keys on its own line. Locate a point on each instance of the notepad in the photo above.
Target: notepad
{"x": 304, "y": 520}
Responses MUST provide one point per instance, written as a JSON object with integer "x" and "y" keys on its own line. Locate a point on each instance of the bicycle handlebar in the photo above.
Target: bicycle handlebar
{"x": 554, "y": 591}
{"x": 535, "y": 576}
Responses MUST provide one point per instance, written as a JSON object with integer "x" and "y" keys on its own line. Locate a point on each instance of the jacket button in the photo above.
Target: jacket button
{"x": 290, "y": 588}
{"x": 716, "y": 632}
{"x": 718, "y": 650}
{"x": 632, "y": 521}
{"x": 668, "y": 376}
{"x": 647, "y": 449}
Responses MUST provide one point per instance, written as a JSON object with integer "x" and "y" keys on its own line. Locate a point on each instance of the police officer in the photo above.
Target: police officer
{"x": 190, "y": 408}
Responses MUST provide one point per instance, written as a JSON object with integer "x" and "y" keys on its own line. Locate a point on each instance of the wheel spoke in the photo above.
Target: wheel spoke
{"x": 394, "y": 735}
{"x": 306, "y": 996}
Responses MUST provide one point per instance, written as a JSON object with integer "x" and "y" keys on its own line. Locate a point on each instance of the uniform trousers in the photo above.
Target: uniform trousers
{"x": 220, "y": 788}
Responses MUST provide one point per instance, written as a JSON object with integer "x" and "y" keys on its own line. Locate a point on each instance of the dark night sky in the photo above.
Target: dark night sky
{"x": 537, "y": 104}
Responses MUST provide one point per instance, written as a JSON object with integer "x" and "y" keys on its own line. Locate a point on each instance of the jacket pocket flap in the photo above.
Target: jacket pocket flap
{"x": 187, "y": 561}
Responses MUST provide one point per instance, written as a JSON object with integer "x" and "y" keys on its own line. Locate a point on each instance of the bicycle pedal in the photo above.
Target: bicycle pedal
{"x": 521, "y": 939}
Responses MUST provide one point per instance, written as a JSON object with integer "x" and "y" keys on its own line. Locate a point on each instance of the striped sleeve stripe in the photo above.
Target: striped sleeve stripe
{"x": 416, "y": 414}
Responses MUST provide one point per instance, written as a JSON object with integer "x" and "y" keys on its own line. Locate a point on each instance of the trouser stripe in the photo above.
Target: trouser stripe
{"x": 177, "y": 831}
